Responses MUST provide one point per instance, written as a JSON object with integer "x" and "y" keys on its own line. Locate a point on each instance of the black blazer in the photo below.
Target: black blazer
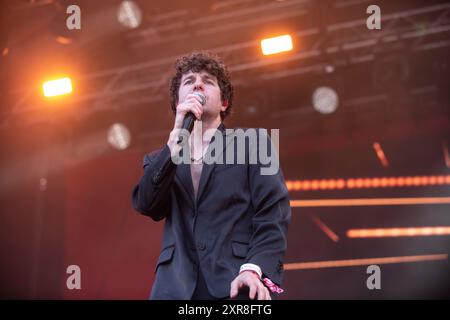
{"x": 239, "y": 216}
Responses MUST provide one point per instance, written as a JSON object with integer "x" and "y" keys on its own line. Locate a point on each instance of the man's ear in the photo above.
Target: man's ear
{"x": 224, "y": 105}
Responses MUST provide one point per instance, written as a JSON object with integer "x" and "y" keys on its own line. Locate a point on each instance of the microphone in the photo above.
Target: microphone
{"x": 188, "y": 122}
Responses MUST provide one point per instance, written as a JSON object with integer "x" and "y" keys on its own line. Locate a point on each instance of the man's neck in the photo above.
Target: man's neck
{"x": 201, "y": 135}
{"x": 205, "y": 129}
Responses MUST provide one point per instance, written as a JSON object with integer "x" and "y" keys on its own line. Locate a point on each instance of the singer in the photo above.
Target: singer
{"x": 225, "y": 231}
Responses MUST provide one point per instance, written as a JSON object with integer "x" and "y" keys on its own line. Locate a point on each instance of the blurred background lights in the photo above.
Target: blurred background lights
{"x": 42, "y": 184}
{"x": 325, "y": 100}
{"x": 329, "y": 68}
{"x": 129, "y": 14}
{"x": 119, "y": 136}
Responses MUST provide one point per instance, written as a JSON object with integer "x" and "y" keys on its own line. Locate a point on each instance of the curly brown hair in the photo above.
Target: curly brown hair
{"x": 202, "y": 61}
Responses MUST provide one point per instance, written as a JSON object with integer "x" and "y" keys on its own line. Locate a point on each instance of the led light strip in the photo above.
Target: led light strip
{"x": 364, "y": 183}
{"x": 368, "y": 202}
{"x": 362, "y": 262}
{"x": 398, "y": 232}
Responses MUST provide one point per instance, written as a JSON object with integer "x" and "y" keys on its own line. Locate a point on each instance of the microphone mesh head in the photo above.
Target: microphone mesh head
{"x": 202, "y": 97}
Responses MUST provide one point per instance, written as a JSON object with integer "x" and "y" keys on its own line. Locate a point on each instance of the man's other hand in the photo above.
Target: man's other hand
{"x": 250, "y": 280}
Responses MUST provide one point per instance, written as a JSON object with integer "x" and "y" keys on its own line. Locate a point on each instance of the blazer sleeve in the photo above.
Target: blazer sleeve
{"x": 151, "y": 196}
{"x": 272, "y": 215}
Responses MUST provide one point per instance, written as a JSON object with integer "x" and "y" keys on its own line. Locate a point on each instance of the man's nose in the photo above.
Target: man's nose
{"x": 198, "y": 85}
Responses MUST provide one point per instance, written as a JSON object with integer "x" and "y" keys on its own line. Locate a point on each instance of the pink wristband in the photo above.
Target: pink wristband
{"x": 272, "y": 286}
{"x": 267, "y": 282}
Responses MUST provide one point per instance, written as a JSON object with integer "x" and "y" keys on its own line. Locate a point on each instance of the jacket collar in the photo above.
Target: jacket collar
{"x": 184, "y": 172}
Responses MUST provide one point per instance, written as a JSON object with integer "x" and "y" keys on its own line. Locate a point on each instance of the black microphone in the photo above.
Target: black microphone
{"x": 189, "y": 119}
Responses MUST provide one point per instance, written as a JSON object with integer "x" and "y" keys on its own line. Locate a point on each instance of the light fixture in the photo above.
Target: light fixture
{"x": 57, "y": 87}
{"x": 119, "y": 136}
{"x": 325, "y": 100}
{"x": 129, "y": 14}
{"x": 365, "y": 183}
{"x": 399, "y": 232}
{"x": 276, "y": 45}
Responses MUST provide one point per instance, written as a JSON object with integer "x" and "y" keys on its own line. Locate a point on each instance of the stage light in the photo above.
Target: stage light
{"x": 57, "y": 87}
{"x": 363, "y": 262}
{"x": 398, "y": 232}
{"x": 129, "y": 14}
{"x": 368, "y": 202}
{"x": 63, "y": 40}
{"x": 325, "y": 100}
{"x": 327, "y": 230}
{"x": 446, "y": 154}
{"x": 380, "y": 154}
{"x": 119, "y": 136}
{"x": 329, "y": 68}
{"x": 276, "y": 45}
{"x": 363, "y": 183}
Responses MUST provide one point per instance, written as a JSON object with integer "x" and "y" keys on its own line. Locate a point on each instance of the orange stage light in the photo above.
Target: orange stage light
{"x": 380, "y": 154}
{"x": 398, "y": 232}
{"x": 57, "y": 87}
{"x": 362, "y": 183}
{"x": 368, "y": 202}
{"x": 363, "y": 262}
{"x": 276, "y": 45}
{"x": 327, "y": 230}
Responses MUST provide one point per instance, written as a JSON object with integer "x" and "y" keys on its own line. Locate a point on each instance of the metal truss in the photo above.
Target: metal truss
{"x": 342, "y": 43}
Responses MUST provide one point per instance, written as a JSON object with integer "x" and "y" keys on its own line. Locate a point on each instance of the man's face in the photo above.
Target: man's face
{"x": 206, "y": 84}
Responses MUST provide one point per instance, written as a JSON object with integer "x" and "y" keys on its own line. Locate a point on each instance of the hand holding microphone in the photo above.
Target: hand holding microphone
{"x": 187, "y": 112}
{"x": 188, "y": 121}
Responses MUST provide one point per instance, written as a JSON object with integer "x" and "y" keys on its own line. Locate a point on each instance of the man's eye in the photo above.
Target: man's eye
{"x": 188, "y": 81}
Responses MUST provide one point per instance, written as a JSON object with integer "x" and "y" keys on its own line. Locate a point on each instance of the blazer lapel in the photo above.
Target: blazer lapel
{"x": 183, "y": 174}
{"x": 209, "y": 168}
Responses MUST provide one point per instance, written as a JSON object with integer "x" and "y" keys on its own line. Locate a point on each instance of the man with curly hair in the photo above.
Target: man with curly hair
{"x": 225, "y": 224}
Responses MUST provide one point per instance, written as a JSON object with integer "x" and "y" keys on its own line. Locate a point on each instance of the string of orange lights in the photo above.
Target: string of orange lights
{"x": 361, "y": 183}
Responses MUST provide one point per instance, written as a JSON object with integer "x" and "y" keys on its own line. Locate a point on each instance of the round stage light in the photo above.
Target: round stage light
{"x": 325, "y": 100}
{"x": 129, "y": 14}
{"x": 119, "y": 136}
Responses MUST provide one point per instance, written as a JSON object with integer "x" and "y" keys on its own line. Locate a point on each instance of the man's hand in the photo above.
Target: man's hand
{"x": 193, "y": 104}
{"x": 250, "y": 280}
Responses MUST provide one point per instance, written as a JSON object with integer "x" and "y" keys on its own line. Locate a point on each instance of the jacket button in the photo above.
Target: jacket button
{"x": 201, "y": 246}
{"x": 157, "y": 177}
{"x": 280, "y": 267}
